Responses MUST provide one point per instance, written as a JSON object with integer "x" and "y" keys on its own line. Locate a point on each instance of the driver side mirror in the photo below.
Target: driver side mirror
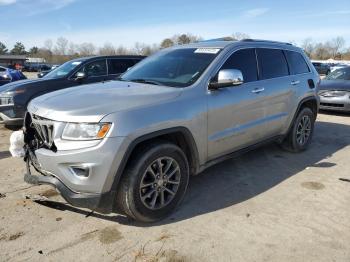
{"x": 227, "y": 78}
{"x": 80, "y": 76}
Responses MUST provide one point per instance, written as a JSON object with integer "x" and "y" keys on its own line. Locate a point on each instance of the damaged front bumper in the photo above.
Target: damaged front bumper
{"x": 102, "y": 203}
{"x": 84, "y": 176}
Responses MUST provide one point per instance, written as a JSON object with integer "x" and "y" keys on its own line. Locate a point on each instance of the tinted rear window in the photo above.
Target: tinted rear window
{"x": 244, "y": 60}
{"x": 118, "y": 66}
{"x": 297, "y": 63}
{"x": 272, "y": 63}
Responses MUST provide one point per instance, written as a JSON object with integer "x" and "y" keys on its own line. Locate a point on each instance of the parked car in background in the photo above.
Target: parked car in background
{"x": 334, "y": 90}
{"x": 322, "y": 68}
{"x": 8, "y": 75}
{"x": 35, "y": 67}
{"x": 130, "y": 145}
{"x": 14, "y": 97}
{"x": 45, "y": 72}
{"x": 338, "y": 66}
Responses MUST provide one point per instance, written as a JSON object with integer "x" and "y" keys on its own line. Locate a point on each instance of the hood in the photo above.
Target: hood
{"x": 90, "y": 103}
{"x": 335, "y": 85}
{"x": 27, "y": 83}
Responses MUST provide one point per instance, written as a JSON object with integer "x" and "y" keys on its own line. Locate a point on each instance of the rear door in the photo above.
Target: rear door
{"x": 278, "y": 90}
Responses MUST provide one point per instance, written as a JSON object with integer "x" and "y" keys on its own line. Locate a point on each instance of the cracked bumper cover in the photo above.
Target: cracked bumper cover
{"x": 98, "y": 202}
{"x": 94, "y": 192}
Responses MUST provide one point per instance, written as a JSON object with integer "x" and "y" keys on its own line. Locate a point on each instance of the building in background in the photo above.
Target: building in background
{"x": 13, "y": 61}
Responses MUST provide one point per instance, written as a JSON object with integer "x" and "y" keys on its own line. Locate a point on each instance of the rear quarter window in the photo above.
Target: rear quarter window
{"x": 272, "y": 63}
{"x": 118, "y": 66}
{"x": 297, "y": 63}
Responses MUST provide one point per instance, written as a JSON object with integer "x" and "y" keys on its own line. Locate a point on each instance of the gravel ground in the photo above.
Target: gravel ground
{"x": 267, "y": 205}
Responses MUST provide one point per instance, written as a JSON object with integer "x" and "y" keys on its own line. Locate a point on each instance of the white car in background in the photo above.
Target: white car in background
{"x": 338, "y": 66}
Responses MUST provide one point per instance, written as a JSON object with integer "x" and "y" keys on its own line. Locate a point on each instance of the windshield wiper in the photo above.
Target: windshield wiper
{"x": 145, "y": 81}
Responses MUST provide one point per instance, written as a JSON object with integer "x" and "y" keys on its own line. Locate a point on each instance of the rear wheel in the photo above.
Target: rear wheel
{"x": 154, "y": 182}
{"x": 300, "y": 135}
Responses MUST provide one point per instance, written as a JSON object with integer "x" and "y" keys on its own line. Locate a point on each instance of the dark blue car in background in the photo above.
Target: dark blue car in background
{"x": 8, "y": 75}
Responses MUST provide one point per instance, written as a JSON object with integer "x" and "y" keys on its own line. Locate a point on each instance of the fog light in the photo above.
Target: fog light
{"x": 80, "y": 171}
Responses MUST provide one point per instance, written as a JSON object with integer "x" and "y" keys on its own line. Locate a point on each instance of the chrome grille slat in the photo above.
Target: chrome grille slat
{"x": 44, "y": 129}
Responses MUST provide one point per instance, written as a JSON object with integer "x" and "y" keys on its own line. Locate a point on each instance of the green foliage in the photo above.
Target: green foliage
{"x": 18, "y": 49}
{"x": 3, "y": 49}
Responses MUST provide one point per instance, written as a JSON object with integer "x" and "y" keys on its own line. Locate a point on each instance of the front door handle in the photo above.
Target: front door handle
{"x": 296, "y": 82}
{"x": 258, "y": 90}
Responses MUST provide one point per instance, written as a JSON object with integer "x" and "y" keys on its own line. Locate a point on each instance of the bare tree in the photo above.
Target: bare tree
{"x": 61, "y": 46}
{"x": 121, "y": 50}
{"x": 240, "y": 36}
{"x": 86, "y": 49}
{"x": 107, "y": 49}
{"x": 140, "y": 48}
{"x": 308, "y": 46}
{"x": 336, "y": 44}
{"x": 45, "y": 53}
{"x": 72, "y": 49}
{"x": 48, "y": 44}
{"x": 321, "y": 51}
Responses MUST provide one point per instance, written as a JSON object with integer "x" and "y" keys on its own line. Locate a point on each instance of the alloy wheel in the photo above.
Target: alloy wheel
{"x": 160, "y": 183}
{"x": 303, "y": 130}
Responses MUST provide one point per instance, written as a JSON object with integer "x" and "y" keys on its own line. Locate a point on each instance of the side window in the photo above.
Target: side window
{"x": 118, "y": 66}
{"x": 244, "y": 60}
{"x": 297, "y": 63}
{"x": 272, "y": 63}
{"x": 95, "y": 68}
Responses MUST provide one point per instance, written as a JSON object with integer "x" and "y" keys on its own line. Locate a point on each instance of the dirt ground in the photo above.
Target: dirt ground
{"x": 267, "y": 205}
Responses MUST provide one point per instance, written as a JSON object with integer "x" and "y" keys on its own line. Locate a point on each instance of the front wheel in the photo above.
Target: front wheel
{"x": 300, "y": 135}
{"x": 154, "y": 183}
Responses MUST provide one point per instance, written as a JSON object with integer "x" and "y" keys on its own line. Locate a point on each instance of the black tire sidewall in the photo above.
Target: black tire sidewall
{"x": 296, "y": 146}
{"x": 135, "y": 204}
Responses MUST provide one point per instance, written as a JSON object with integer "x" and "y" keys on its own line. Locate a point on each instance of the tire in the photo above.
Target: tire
{"x": 294, "y": 141}
{"x": 145, "y": 203}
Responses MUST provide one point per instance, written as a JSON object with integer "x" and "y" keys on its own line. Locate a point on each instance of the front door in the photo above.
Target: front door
{"x": 235, "y": 114}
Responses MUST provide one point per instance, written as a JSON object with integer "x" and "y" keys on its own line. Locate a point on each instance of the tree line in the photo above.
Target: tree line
{"x": 63, "y": 50}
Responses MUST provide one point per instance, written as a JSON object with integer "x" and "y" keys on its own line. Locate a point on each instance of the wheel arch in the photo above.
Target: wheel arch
{"x": 181, "y": 136}
{"x": 310, "y": 102}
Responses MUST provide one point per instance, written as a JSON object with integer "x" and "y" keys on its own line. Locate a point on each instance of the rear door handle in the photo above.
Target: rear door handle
{"x": 296, "y": 82}
{"x": 258, "y": 90}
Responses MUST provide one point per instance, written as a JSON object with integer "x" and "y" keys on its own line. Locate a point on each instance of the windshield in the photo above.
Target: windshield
{"x": 340, "y": 74}
{"x": 176, "y": 68}
{"x": 63, "y": 70}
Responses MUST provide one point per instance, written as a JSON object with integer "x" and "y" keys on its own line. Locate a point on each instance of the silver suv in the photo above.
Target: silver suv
{"x": 131, "y": 145}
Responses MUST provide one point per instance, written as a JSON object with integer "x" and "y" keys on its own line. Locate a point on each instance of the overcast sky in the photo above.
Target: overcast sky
{"x": 124, "y": 22}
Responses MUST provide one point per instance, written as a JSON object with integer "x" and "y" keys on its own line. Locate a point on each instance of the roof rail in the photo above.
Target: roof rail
{"x": 218, "y": 39}
{"x": 264, "y": 41}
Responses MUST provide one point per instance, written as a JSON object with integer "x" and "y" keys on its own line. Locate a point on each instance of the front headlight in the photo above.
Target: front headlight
{"x": 7, "y": 77}
{"x": 85, "y": 131}
{"x": 5, "y": 100}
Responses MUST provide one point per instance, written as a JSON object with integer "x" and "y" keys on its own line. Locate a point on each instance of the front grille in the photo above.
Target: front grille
{"x": 44, "y": 129}
{"x": 332, "y": 105}
{"x": 6, "y": 100}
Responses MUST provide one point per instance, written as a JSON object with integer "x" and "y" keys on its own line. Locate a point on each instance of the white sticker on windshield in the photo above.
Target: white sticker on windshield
{"x": 76, "y": 63}
{"x": 207, "y": 50}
